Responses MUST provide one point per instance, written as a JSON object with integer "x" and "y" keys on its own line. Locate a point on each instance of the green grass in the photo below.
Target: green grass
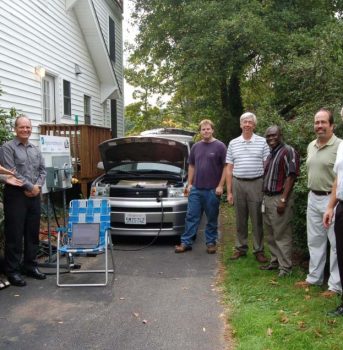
{"x": 267, "y": 312}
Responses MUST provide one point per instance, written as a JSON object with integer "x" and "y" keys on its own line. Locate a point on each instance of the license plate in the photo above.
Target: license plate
{"x": 135, "y": 219}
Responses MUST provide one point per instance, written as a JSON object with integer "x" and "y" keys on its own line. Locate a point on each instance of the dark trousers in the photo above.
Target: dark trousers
{"x": 22, "y": 221}
{"x": 339, "y": 238}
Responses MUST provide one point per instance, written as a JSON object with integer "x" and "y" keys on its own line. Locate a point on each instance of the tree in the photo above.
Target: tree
{"x": 211, "y": 55}
{"x": 281, "y": 59}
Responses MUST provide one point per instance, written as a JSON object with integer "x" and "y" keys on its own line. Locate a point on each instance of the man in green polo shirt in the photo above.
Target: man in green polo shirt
{"x": 321, "y": 156}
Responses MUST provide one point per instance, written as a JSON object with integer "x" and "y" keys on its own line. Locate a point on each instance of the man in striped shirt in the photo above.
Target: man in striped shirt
{"x": 244, "y": 178}
{"x": 280, "y": 173}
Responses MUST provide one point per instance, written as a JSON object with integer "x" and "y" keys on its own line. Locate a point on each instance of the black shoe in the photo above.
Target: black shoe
{"x": 35, "y": 273}
{"x": 269, "y": 267}
{"x": 337, "y": 312}
{"x": 16, "y": 280}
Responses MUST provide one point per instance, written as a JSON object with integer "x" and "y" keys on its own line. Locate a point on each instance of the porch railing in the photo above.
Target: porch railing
{"x": 84, "y": 141}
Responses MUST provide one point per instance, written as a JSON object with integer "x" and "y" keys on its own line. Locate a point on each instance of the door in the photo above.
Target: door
{"x": 48, "y": 91}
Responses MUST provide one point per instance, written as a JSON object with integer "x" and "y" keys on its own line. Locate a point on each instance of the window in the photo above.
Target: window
{"x": 87, "y": 109}
{"x": 48, "y": 95}
{"x": 112, "y": 39}
{"x": 66, "y": 98}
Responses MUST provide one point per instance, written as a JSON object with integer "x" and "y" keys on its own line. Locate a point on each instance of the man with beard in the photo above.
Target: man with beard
{"x": 321, "y": 156}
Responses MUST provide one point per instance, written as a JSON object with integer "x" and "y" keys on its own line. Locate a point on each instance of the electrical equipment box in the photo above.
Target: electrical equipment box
{"x": 56, "y": 154}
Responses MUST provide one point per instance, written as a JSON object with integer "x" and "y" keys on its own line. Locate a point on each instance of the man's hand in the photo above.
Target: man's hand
{"x": 11, "y": 180}
{"x": 327, "y": 217}
{"x": 219, "y": 190}
{"x": 281, "y": 207}
{"x": 187, "y": 190}
{"x": 230, "y": 198}
{"x": 34, "y": 192}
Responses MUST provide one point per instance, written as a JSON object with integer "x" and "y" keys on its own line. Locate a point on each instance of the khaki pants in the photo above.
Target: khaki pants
{"x": 247, "y": 196}
{"x": 279, "y": 231}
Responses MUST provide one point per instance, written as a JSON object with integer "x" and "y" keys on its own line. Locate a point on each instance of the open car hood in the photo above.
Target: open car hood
{"x": 143, "y": 149}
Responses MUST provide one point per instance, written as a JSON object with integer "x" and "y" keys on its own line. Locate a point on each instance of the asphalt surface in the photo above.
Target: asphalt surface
{"x": 158, "y": 300}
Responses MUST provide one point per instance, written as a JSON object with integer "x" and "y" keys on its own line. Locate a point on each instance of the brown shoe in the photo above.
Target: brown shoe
{"x": 303, "y": 284}
{"x": 261, "y": 258}
{"x": 328, "y": 294}
{"x": 237, "y": 254}
{"x": 211, "y": 249}
{"x": 182, "y": 248}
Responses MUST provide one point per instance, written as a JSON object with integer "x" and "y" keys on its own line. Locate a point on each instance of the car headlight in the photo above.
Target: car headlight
{"x": 176, "y": 192}
{"x": 100, "y": 191}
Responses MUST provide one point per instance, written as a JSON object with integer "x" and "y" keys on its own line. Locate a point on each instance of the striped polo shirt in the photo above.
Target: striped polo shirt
{"x": 282, "y": 162}
{"x": 247, "y": 156}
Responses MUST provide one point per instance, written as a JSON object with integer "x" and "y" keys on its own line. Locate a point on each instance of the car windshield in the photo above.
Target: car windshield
{"x": 146, "y": 168}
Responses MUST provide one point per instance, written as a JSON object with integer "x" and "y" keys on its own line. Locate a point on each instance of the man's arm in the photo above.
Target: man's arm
{"x": 5, "y": 171}
{"x": 11, "y": 180}
{"x": 288, "y": 186}
{"x": 229, "y": 169}
{"x": 219, "y": 188}
{"x": 190, "y": 179}
{"x": 40, "y": 180}
{"x": 328, "y": 215}
{"x": 9, "y": 163}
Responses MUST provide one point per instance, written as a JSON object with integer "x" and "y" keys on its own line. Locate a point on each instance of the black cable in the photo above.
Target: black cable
{"x": 154, "y": 239}
{"x": 53, "y": 209}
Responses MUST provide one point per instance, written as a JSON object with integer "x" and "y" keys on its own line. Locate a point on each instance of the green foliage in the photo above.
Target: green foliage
{"x": 281, "y": 59}
{"x": 6, "y": 127}
{"x": 220, "y": 58}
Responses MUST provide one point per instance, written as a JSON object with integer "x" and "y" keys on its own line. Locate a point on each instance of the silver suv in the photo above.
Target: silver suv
{"x": 145, "y": 180}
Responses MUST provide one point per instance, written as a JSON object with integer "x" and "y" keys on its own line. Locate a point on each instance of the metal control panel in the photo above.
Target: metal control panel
{"x": 56, "y": 154}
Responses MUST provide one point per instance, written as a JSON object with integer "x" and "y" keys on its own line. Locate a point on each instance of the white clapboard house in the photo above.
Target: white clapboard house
{"x": 61, "y": 62}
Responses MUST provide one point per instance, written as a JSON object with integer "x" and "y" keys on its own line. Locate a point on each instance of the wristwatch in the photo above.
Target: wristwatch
{"x": 283, "y": 200}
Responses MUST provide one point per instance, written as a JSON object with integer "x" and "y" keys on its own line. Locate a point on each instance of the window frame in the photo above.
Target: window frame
{"x": 66, "y": 98}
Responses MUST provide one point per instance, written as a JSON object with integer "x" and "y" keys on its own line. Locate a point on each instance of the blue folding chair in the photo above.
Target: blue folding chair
{"x": 87, "y": 234}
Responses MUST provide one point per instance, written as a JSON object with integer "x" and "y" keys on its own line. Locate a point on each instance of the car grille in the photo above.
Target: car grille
{"x": 138, "y": 192}
{"x": 140, "y": 210}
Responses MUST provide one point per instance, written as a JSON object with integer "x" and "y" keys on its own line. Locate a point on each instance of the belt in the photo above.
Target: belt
{"x": 321, "y": 193}
{"x": 248, "y": 179}
{"x": 270, "y": 194}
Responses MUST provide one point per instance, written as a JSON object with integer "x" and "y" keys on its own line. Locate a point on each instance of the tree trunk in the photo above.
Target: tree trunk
{"x": 232, "y": 107}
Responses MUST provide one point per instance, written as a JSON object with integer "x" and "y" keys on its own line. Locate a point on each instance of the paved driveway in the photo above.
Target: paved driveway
{"x": 159, "y": 300}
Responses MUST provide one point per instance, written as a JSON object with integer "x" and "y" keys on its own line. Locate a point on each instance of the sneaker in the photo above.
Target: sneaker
{"x": 211, "y": 249}
{"x": 261, "y": 258}
{"x": 237, "y": 254}
{"x": 182, "y": 248}
{"x": 284, "y": 273}
{"x": 337, "y": 312}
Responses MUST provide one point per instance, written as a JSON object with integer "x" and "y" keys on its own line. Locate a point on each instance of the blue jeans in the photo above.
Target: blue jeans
{"x": 198, "y": 202}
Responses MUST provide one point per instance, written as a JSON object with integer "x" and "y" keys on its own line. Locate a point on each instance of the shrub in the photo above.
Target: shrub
{"x": 6, "y": 127}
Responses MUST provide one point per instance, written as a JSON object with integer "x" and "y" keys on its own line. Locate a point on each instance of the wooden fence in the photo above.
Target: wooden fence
{"x": 84, "y": 142}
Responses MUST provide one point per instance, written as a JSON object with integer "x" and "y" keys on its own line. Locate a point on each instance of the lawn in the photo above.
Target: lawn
{"x": 271, "y": 313}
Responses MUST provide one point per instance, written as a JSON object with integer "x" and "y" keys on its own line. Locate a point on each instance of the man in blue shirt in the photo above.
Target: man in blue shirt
{"x": 206, "y": 177}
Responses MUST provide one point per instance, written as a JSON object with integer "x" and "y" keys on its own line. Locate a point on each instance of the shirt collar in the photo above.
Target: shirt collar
{"x": 18, "y": 142}
{"x": 276, "y": 149}
{"x": 329, "y": 143}
{"x": 253, "y": 137}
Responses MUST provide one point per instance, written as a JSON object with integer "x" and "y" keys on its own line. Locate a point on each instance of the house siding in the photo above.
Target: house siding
{"x": 105, "y": 10}
{"x": 36, "y": 32}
